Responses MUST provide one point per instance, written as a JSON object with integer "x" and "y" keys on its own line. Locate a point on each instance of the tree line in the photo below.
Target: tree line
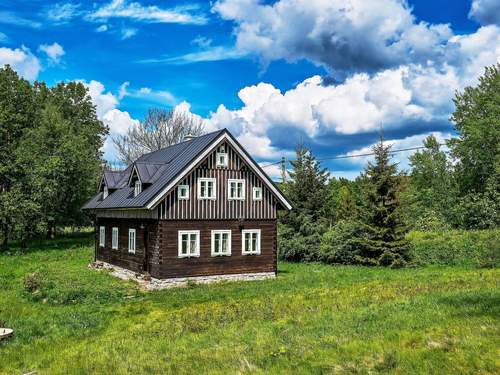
{"x": 50, "y": 159}
{"x": 365, "y": 221}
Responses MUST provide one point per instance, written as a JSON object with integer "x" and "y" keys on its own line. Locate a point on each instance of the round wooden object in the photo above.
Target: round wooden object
{"x": 5, "y": 332}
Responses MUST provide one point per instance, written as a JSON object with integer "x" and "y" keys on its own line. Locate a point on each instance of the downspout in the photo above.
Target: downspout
{"x": 146, "y": 250}
{"x": 95, "y": 238}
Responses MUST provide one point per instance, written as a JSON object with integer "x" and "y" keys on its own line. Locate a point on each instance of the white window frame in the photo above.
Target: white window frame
{"x": 190, "y": 254}
{"x": 179, "y": 195}
{"x": 105, "y": 192}
{"x": 114, "y": 238}
{"x": 236, "y": 181}
{"x": 214, "y": 190}
{"x": 244, "y": 251}
{"x": 131, "y": 249}
{"x": 102, "y": 236}
{"x": 254, "y": 193}
{"x": 215, "y": 252}
{"x": 137, "y": 187}
{"x": 217, "y": 156}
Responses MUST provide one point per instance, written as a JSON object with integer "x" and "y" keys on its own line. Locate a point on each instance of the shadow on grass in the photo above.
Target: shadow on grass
{"x": 474, "y": 304}
{"x": 62, "y": 242}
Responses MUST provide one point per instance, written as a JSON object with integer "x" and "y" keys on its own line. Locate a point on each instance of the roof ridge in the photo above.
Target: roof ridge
{"x": 179, "y": 143}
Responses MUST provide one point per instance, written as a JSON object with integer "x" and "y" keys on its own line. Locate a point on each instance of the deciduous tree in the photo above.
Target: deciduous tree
{"x": 160, "y": 128}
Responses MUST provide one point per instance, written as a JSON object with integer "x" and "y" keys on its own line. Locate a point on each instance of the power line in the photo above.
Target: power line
{"x": 357, "y": 155}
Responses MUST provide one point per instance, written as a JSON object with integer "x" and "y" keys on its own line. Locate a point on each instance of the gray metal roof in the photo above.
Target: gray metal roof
{"x": 157, "y": 168}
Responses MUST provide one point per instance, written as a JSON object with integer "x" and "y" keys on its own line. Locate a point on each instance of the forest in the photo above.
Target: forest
{"x": 367, "y": 221}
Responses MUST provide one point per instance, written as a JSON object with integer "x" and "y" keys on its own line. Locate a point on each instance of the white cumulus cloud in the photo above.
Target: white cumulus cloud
{"x": 486, "y": 12}
{"x": 342, "y": 36}
{"x": 21, "y": 60}
{"x": 53, "y": 51}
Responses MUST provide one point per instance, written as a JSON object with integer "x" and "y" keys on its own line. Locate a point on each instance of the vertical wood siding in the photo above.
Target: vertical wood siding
{"x": 172, "y": 208}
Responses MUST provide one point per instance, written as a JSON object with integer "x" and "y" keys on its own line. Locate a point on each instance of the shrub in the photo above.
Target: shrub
{"x": 33, "y": 282}
{"x": 300, "y": 245}
{"x": 339, "y": 245}
{"x": 480, "y": 248}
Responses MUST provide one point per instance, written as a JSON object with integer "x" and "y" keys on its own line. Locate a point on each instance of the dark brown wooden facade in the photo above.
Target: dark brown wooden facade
{"x": 157, "y": 229}
{"x": 222, "y": 207}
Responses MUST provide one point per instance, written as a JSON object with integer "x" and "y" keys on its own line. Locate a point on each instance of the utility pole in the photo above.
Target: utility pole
{"x": 283, "y": 170}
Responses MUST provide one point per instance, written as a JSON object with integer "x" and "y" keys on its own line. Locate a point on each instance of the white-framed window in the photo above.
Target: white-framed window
{"x": 236, "y": 189}
{"x": 221, "y": 242}
{"x": 183, "y": 192}
{"x": 221, "y": 161}
{"x": 206, "y": 188}
{"x": 102, "y": 236}
{"x": 105, "y": 192}
{"x": 257, "y": 193}
{"x": 137, "y": 188}
{"x": 114, "y": 238}
{"x": 189, "y": 243}
{"x": 131, "y": 240}
{"x": 250, "y": 241}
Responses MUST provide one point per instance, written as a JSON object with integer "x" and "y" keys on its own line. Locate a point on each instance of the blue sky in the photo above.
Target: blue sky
{"x": 327, "y": 73}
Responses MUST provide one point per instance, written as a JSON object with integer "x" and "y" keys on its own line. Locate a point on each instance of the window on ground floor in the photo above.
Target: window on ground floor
{"x": 189, "y": 243}
{"x": 221, "y": 242}
{"x": 102, "y": 234}
{"x": 114, "y": 238}
{"x": 131, "y": 241}
{"x": 250, "y": 241}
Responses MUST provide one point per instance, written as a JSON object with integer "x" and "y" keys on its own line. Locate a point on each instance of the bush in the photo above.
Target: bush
{"x": 299, "y": 246}
{"x": 480, "y": 248}
{"x": 339, "y": 245}
{"x": 33, "y": 282}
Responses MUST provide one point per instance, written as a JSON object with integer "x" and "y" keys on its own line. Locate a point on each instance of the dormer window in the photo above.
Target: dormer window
{"x": 105, "y": 192}
{"x": 137, "y": 188}
{"x": 221, "y": 160}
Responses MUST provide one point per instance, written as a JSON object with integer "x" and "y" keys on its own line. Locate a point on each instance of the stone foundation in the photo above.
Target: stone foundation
{"x": 151, "y": 283}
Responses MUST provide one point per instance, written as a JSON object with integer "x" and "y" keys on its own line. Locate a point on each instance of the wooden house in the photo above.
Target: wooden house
{"x": 199, "y": 208}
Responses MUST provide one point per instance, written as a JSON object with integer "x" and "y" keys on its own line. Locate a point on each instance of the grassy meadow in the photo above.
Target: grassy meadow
{"x": 314, "y": 319}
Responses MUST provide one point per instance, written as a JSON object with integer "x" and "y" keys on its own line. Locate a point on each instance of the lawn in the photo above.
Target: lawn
{"x": 313, "y": 319}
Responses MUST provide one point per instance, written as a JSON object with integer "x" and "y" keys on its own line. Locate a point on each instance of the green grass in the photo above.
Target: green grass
{"x": 313, "y": 319}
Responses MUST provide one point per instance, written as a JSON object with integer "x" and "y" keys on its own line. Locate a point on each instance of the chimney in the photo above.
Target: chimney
{"x": 188, "y": 137}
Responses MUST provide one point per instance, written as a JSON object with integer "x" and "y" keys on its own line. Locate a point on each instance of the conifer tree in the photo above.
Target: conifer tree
{"x": 301, "y": 229}
{"x": 307, "y": 189}
{"x": 346, "y": 204}
{"x": 383, "y": 242}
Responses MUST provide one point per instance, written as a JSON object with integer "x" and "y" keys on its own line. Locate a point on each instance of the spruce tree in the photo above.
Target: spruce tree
{"x": 307, "y": 189}
{"x": 383, "y": 242}
{"x": 346, "y": 204}
{"x": 301, "y": 229}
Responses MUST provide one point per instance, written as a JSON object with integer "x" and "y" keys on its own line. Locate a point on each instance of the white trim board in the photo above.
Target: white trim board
{"x": 256, "y": 169}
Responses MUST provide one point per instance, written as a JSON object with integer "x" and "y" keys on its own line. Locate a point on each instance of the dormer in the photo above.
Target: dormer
{"x": 137, "y": 187}
{"x": 136, "y": 182}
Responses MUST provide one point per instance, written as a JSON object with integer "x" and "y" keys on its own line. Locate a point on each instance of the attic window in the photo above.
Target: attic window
{"x": 221, "y": 160}
{"x": 183, "y": 191}
{"x": 257, "y": 193}
{"x": 105, "y": 192}
{"x": 137, "y": 188}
